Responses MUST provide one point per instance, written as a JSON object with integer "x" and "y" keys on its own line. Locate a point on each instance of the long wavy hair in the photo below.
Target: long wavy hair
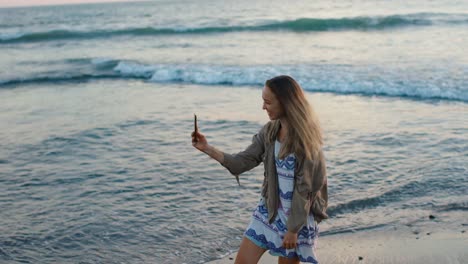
{"x": 304, "y": 135}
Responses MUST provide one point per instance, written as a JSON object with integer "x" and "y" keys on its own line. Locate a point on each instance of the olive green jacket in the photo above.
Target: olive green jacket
{"x": 310, "y": 183}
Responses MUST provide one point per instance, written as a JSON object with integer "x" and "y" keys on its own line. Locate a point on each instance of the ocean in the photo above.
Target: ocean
{"x": 97, "y": 104}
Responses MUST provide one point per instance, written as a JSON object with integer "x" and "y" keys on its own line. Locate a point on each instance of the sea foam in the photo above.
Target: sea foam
{"x": 366, "y": 80}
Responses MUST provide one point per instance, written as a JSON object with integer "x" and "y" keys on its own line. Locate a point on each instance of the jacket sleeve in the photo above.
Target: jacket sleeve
{"x": 247, "y": 159}
{"x": 310, "y": 193}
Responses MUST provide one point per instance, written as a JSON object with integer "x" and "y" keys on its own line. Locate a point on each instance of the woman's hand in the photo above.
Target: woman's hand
{"x": 199, "y": 141}
{"x": 290, "y": 240}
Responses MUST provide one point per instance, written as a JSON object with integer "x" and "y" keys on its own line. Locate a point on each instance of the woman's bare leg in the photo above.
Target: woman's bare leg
{"x": 282, "y": 260}
{"x": 249, "y": 253}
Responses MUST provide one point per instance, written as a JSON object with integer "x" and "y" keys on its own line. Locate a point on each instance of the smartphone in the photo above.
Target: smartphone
{"x": 195, "y": 126}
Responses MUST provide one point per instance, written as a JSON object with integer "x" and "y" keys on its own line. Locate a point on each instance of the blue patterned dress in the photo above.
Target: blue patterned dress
{"x": 270, "y": 236}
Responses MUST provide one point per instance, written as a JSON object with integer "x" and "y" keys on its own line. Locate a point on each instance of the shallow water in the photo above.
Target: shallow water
{"x": 120, "y": 180}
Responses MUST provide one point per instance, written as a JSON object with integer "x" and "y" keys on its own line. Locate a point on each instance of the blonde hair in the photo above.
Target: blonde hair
{"x": 304, "y": 135}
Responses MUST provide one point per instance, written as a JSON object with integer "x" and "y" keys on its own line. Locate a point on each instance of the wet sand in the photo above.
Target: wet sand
{"x": 385, "y": 247}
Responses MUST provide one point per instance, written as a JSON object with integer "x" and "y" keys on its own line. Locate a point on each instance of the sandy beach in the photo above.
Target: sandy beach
{"x": 386, "y": 246}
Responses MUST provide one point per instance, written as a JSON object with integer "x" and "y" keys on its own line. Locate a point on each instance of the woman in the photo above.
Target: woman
{"x": 294, "y": 194}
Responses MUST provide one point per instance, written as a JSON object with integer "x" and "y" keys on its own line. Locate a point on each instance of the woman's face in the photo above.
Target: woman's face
{"x": 271, "y": 104}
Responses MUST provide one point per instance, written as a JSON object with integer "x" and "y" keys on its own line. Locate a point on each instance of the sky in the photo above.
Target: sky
{"x": 12, "y": 3}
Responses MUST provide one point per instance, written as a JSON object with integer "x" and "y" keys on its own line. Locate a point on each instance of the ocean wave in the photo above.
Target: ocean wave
{"x": 404, "y": 192}
{"x": 49, "y": 79}
{"x": 456, "y": 206}
{"x": 318, "y": 78}
{"x": 297, "y": 25}
{"x": 315, "y": 78}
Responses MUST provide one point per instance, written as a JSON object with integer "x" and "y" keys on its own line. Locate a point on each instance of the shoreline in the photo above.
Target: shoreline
{"x": 385, "y": 246}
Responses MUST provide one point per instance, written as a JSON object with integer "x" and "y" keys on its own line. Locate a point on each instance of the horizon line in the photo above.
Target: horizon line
{"x": 69, "y": 4}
